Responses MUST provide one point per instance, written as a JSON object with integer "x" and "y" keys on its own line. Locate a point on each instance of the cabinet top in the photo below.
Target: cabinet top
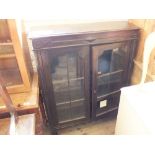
{"x": 69, "y": 29}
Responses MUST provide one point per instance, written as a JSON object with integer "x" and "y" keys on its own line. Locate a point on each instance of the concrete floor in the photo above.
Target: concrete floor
{"x": 104, "y": 126}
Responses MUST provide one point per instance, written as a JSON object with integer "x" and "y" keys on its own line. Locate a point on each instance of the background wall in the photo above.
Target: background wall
{"x": 35, "y": 22}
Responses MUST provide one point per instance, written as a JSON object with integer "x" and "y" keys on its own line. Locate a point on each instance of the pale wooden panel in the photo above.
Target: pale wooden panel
{"x": 147, "y": 26}
{"x": 19, "y": 53}
{"x": 138, "y": 22}
{"x": 137, "y": 73}
{"x": 4, "y": 31}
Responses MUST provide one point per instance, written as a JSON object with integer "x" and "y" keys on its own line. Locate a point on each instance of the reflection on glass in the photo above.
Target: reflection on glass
{"x": 61, "y": 92}
{"x": 103, "y": 85}
{"x": 70, "y": 110}
{"x": 63, "y": 112}
{"x": 77, "y": 109}
{"x": 110, "y": 71}
{"x": 76, "y": 89}
{"x": 67, "y": 72}
{"x": 104, "y": 61}
{"x": 117, "y": 62}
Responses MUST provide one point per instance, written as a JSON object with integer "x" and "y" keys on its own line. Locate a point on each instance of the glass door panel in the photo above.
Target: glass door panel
{"x": 78, "y": 109}
{"x": 110, "y": 68}
{"x": 63, "y": 111}
{"x": 68, "y": 79}
{"x": 103, "y": 85}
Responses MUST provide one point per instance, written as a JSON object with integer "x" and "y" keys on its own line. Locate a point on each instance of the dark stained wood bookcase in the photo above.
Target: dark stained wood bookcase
{"x": 82, "y": 68}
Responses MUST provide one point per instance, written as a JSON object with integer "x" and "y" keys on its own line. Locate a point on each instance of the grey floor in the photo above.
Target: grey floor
{"x": 101, "y": 127}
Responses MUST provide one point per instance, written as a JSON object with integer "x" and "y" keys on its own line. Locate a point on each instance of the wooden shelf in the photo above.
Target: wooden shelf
{"x": 105, "y": 95}
{"x": 66, "y": 81}
{"x": 8, "y": 55}
{"x": 110, "y": 73}
{"x": 6, "y": 44}
{"x": 24, "y": 102}
{"x": 68, "y": 102}
{"x": 107, "y": 111}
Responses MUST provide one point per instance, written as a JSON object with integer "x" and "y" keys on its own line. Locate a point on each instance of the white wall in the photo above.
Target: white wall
{"x": 35, "y": 22}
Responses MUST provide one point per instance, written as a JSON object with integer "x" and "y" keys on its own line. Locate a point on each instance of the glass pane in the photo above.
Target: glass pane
{"x": 76, "y": 65}
{"x": 118, "y": 59}
{"x": 76, "y": 89}
{"x": 61, "y": 92}
{"x": 59, "y": 79}
{"x": 59, "y": 68}
{"x": 78, "y": 109}
{"x": 103, "y": 85}
{"x": 104, "y": 61}
{"x": 115, "y": 80}
{"x": 64, "y": 112}
{"x": 72, "y": 65}
{"x": 111, "y": 64}
{"x": 67, "y": 72}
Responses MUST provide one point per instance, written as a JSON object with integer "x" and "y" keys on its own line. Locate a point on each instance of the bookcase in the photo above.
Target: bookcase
{"x": 82, "y": 69}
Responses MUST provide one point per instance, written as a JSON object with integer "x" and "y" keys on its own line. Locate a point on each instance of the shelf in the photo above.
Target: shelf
{"x": 8, "y": 55}
{"x": 105, "y": 95}
{"x": 107, "y": 111}
{"x": 6, "y": 44}
{"x": 64, "y": 81}
{"x": 111, "y": 73}
{"x": 6, "y": 51}
{"x": 67, "y": 102}
{"x": 110, "y": 82}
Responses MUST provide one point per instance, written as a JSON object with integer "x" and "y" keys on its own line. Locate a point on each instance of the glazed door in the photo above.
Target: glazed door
{"x": 110, "y": 63}
{"x": 67, "y": 77}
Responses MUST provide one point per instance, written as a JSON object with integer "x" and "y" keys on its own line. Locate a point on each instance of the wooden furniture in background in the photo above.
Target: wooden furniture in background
{"x": 82, "y": 68}
{"x": 16, "y": 72}
{"x": 146, "y": 27}
{"x": 6, "y": 99}
{"x": 24, "y": 103}
{"x": 15, "y": 125}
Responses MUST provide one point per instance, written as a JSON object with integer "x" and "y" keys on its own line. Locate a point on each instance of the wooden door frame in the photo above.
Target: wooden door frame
{"x": 48, "y": 86}
{"x": 95, "y": 49}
